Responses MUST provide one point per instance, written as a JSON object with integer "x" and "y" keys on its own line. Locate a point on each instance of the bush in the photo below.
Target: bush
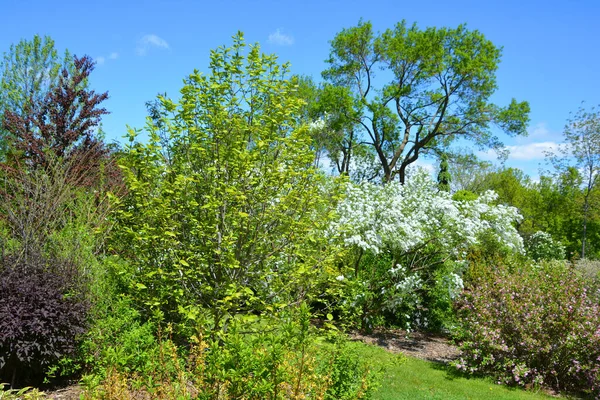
{"x": 255, "y": 358}
{"x": 118, "y": 339}
{"x": 408, "y": 245}
{"x": 464, "y": 195}
{"x": 43, "y": 312}
{"x": 541, "y": 246}
{"x": 589, "y": 268}
{"x": 225, "y": 212}
{"x": 535, "y": 325}
{"x": 376, "y": 294}
{"x": 350, "y": 377}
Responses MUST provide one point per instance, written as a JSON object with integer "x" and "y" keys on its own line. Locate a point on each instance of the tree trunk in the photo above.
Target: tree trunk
{"x": 585, "y": 218}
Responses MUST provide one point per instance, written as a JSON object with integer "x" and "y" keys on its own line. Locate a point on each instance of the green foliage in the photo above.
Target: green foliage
{"x": 441, "y": 293}
{"x": 489, "y": 254}
{"x": 468, "y": 172}
{"x": 377, "y": 293}
{"x": 332, "y": 112}
{"x": 118, "y": 339}
{"x": 444, "y": 178}
{"x": 511, "y": 185}
{"x": 232, "y": 220}
{"x": 581, "y": 151}
{"x": 536, "y": 325}
{"x": 255, "y": 358}
{"x": 350, "y": 377}
{"x": 440, "y": 86}
{"x": 26, "y": 393}
{"x": 464, "y": 195}
{"x": 554, "y": 205}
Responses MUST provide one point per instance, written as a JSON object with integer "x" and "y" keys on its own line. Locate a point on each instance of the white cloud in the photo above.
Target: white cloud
{"x": 149, "y": 41}
{"x": 101, "y": 60}
{"x": 521, "y": 152}
{"x": 280, "y": 39}
{"x": 427, "y": 165}
{"x": 531, "y": 151}
{"x": 539, "y": 130}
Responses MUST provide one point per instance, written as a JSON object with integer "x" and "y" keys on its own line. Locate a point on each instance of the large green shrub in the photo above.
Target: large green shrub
{"x": 224, "y": 209}
{"x": 534, "y": 325}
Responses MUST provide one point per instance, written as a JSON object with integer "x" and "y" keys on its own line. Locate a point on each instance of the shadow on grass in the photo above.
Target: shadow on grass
{"x": 452, "y": 373}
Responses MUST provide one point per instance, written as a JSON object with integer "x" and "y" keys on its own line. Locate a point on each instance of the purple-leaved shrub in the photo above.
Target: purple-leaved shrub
{"x": 43, "y": 310}
{"x": 537, "y": 325}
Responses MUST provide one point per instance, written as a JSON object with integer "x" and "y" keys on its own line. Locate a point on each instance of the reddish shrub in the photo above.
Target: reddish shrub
{"x": 43, "y": 310}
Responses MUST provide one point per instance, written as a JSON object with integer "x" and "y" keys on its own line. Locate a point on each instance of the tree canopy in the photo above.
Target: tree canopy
{"x": 413, "y": 92}
{"x": 582, "y": 151}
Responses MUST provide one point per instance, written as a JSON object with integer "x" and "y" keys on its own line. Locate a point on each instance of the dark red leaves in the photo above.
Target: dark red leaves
{"x": 63, "y": 123}
{"x": 43, "y": 311}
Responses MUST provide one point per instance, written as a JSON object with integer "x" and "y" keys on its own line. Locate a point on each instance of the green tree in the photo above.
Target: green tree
{"x": 28, "y": 71}
{"x": 468, "y": 172}
{"x": 553, "y": 205}
{"x": 515, "y": 188}
{"x": 582, "y": 144}
{"x": 444, "y": 178}
{"x": 332, "y": 114}
{"x": 439, "y": 86}
{"x": 557, "y": 208}
{"x": 232, "y": 221}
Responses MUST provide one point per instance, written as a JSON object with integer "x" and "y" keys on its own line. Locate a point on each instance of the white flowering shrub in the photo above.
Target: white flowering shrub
{"x": 406, "y": 217}
{"x": 412, "y": 241}
{"x": 541, "y": 246}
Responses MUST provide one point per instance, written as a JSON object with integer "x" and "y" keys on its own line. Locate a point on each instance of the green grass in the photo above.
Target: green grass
{"x": 410, "y": 378}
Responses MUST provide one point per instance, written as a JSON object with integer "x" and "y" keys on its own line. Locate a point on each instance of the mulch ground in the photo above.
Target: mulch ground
{"x": 415, "y": 344}
{"x": 69, "y": 393}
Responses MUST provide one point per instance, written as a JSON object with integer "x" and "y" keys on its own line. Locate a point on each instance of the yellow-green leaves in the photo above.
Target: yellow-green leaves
{"x": 225, "y": 201}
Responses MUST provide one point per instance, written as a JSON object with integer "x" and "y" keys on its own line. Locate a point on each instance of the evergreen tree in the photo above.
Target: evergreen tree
{"x": 444, "y": 179}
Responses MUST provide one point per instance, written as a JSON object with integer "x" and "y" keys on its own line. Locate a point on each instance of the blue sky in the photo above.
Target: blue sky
{"x": 550, "y": 48}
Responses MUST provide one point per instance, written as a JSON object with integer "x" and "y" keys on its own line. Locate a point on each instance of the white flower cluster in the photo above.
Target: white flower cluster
{"x": 405, "y": 217}
{"x": 317, "y": 125}
{"x": 404, "y": 290}
{"x": 541, "y": 246}
{"x": 454, "y": 283}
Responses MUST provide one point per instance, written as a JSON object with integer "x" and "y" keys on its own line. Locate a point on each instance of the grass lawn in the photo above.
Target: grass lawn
{"x": 411, "y": 378}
